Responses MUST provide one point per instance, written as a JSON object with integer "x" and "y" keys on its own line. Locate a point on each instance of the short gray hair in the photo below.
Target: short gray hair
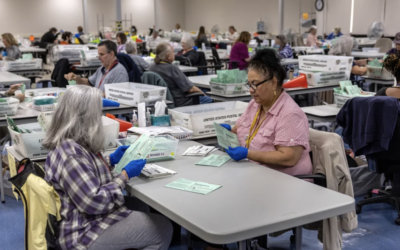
{"x": 313, "y": 27}
{"x": 78, "y": 117}
{"x": 342, "y": 47}
{"x": 130, "y": 47}
{"x": 162, "y": 51}
{"x": 188, "y": 40}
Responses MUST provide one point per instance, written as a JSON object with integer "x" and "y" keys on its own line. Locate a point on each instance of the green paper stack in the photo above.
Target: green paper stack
{"x": 27, "y": 56}
{"x": 230, "y": 76}
{"x": 375, "y": 63}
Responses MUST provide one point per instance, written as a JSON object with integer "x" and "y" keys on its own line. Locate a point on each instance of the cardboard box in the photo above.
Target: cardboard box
{"x": 325, "y": 63}
{"x": 132, "y": 94}
{"x": 30, "y": 145}
{"x": 322, "y": 78}
{"x": 10, "y": 107}
{"x": 22, "y": 64}
{"x": 200, "y": 118}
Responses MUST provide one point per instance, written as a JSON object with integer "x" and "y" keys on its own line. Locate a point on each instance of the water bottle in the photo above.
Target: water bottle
{"x": 295, "y": 72}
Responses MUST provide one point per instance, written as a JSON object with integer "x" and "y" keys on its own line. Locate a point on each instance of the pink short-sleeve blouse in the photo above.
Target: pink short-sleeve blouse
{"x": 286, "y": 125}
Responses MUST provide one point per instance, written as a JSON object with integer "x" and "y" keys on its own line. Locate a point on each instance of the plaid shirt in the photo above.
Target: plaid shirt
{"x": 91, "y": 198}
{"x": 287, "y": 52}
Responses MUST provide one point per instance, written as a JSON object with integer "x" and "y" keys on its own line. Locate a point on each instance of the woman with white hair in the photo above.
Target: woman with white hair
{"x": 343, "y": 47}
{"x": 94, "y": 212}
{"x": 188, "y": 55}
{"x": 131, "y": 50}
{"x": 335, "y": 34}
{"x": 312, "y": 37}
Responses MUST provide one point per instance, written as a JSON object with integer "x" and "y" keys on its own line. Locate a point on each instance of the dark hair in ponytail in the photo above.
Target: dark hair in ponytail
{"x": 268, "y": 62}
{"x": 392, "y": 64}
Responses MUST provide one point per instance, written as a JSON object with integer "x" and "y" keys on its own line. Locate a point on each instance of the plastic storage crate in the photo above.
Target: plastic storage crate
{"x": 10, "y": 107}
{"x": 379, "y": 73}
{"x": 228, "y": 88}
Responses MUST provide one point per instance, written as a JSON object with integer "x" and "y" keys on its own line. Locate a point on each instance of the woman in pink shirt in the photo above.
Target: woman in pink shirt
{"x": 240, "y": 51}
{"x": 273, "y": 130}
{"x": 312, "y": 37}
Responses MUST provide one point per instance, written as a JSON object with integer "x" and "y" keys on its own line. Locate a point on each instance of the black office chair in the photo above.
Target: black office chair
{"x": 387, "y": 162}
{"x": 202, "y": 66}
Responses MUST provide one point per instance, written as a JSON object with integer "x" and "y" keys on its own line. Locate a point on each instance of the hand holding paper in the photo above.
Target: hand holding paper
{"x": 134, "y": 168}
{"x": 225, "y": 138}
{"x": 238, "y": 153}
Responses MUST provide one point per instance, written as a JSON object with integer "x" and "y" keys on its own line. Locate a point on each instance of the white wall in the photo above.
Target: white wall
{"x": 169, "y": 13}
{"x": 241, "y": 14}
{"x": 338, "y": 14}
{"x": 35, "y": 17}
{"x": 391, "y": 23}
{"x": 366, "y": 12}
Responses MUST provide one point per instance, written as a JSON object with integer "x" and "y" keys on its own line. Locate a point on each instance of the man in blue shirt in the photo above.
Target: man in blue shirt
{"x": 336, "y": 33}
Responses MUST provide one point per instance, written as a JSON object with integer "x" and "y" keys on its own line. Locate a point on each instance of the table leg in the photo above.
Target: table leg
{"x": 376, "y": 87}
{"x": 299, "y": 237}
{"x": 242, "y": 245}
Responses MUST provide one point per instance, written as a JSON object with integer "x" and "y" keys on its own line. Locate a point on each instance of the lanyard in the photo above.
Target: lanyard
{"x": 252, "y": 135}
{"x": 101, "y": 157}
{"x": 104, "y": 76}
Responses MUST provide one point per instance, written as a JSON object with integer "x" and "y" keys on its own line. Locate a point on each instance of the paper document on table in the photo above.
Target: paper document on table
{"x": 214, "y": 160}
{"x": 199, "y": 150}
{"x": 225, "y": 137}
{"x": 153, "y": 171}
{"x": 193, "y": 186}
{"x": 138, "y": 150}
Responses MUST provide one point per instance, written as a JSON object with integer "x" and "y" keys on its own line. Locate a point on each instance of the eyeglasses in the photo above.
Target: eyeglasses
{"x": 254, "y": 86}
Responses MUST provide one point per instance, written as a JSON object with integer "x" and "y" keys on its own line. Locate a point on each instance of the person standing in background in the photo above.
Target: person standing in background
{"x": 240, "y": 51}
{"x": 202, "y": 38}
{"x": 50, "y": 36}
{"x": 134, "y": 31}
{"x": 312, "y": 37}
{"x": 121, "y": 40}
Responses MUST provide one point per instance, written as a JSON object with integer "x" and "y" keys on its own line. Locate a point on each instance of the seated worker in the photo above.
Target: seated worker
{"x": 343, "y": 47}
{"x": 202, "y": 38}
{"x": 12, "y": 50}
{"x": 188, "y": 55}
{"x": 66, "y": 38}
{"x": 284, "y": 49}
{"x": 111, "y": 71}
{"x": 153, "y": 41}
{"x": 11, "y": 92}
{"x": 80, "y": 31}
{"x": 312, "y": 39}
{"x": 177, "y": 28}
{"x": 336, "y": 33}
{"x": 95, "y": 215}
{"x": 233, "y": 34}
{"x": 273, "y": 131}
{"x": 131, "y": 50}
{"x": 177, "y": 82}
{"x": 50, "y": 36}
{"x": 240, "y": 51}
{"x": 392, "y": 64}
{"x": 121, "y": 40}
{"x": 396, "y": 41}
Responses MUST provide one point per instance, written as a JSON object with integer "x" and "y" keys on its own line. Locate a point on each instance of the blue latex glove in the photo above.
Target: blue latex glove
{"x": 134, "y": 168}
{"x": 227, "y": 126}
{"x": 110, "y": 103}
{"x": 238, "y": 153}
{"x": 117, "y": 155}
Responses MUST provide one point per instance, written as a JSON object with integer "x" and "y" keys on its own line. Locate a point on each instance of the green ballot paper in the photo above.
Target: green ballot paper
{"x": 214, "y": 160}
{"x": 23, "y": 87}
{"x": 72, "y": 82}
{"x": 343, "y": 84}
{"x": 140, "y": 149}
{"x": 193, "y": 186}
{"x": 225, "y": 137}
